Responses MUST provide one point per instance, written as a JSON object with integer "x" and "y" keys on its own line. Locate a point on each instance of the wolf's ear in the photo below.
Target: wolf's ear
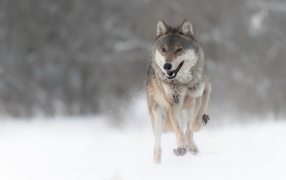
{"x": 186, "y": 28}
{"x": 162, "y": 28}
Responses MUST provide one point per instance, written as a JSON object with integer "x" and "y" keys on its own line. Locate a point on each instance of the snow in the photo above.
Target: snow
{"x": 86, "y": 148}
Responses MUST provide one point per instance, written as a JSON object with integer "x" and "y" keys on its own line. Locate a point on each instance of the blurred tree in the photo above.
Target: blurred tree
{"x": 83, "y": 57}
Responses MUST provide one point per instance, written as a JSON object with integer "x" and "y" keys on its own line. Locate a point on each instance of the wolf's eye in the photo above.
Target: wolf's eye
{"x": 163, "y": 50}
{"x": 179, "y": 50}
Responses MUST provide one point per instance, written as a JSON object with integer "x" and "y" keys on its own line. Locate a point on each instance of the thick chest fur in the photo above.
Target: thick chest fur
{"x": 171, "y": 94}
{"x": 166, "y": 94}
{"x": 174, "y": 93}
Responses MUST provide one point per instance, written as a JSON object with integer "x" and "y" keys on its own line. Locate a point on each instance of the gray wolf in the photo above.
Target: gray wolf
{"x": 178, "y": 88}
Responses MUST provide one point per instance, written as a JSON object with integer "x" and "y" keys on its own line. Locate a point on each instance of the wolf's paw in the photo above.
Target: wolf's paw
{"x": 180, "y": 151}
{"x": 205, "y": 119}
{"x": 194, "y": 150}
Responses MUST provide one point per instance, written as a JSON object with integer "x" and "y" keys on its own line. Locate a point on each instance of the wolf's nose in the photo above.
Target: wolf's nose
{"x": 167, "y": 66}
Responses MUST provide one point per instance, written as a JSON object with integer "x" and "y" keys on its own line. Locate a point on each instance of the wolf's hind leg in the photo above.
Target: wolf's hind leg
{"x": 174, "y": 115}
{"x": 191, "y": 145}
{"x": 180, "y": 151}
{"x": 159, "y": 114}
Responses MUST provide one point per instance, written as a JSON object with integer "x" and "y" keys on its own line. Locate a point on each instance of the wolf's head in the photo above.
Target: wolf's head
{"x": 175, "y": 50}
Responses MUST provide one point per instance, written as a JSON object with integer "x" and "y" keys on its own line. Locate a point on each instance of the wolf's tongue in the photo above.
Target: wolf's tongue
{"x": 171, "y": 73}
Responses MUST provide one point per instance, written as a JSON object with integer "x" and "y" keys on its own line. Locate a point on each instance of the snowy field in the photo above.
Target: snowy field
{"x": 88, "y": 149}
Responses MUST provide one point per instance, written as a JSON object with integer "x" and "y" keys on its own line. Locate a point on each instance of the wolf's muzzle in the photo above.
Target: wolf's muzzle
{"x": 173, "y": 74}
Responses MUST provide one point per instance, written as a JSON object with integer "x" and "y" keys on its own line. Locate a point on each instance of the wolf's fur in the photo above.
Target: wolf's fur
{"x": 177, "y": 101}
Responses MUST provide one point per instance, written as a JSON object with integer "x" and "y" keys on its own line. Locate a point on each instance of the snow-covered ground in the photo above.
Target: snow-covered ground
{"x": 88, "y": 149}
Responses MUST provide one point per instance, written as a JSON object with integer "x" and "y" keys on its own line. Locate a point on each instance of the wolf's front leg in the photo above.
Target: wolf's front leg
{"x": 158, "y": 115}
{"x": 201, "y": 106}
{"x": 196, "y": 123}
{"x": 175, "y": 117}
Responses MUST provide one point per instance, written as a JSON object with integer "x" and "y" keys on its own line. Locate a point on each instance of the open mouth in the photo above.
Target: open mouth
{"x": 173, "y": 74}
